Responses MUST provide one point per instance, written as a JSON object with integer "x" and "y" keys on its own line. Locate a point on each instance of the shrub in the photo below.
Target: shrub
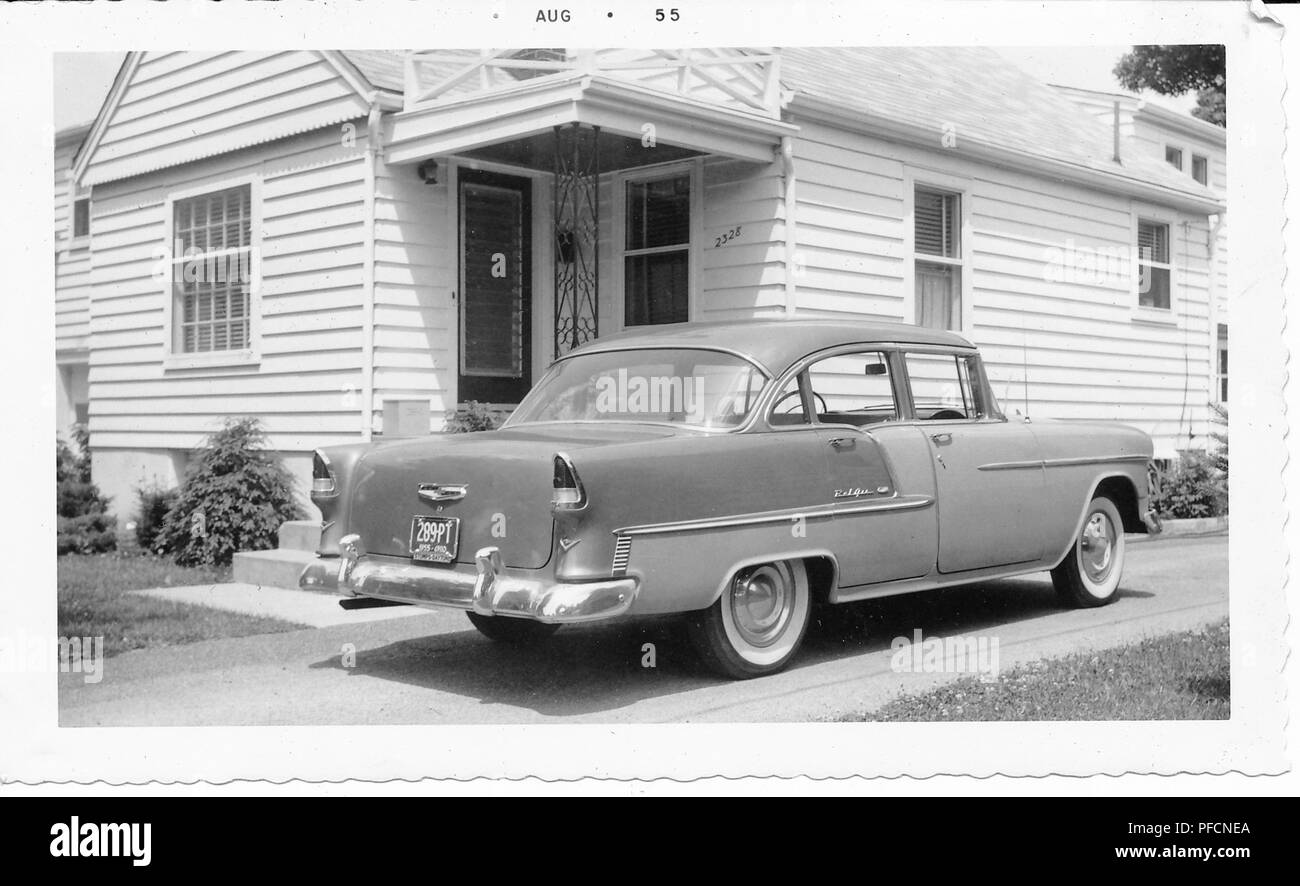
{"x": 87, "y": 534}
{"x": 1192, "y": 488}
{"x": 475, "y": 416}
{"x": 1220, "y": 417}
{"x": 154, "y": 502}
{"x": 235, "y": 495}
{"x": 84, "y": 524}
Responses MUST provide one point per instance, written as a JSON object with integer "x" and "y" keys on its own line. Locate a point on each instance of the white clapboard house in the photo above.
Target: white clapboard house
{"x": 388, "y": 235}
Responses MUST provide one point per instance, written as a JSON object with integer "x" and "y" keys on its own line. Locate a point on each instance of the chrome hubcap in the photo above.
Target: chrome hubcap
{"x": 1097, "y": 547}
{"x": 761, "y": 603}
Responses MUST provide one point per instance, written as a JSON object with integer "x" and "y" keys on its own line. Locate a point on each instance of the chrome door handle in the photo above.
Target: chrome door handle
{"x": 840, "y": 442}
{"x": 942, "y": 439}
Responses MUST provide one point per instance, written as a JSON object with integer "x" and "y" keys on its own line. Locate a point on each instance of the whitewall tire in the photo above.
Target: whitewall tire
{"x": 1090, "y": 573}
{"x": 759, "y": 621}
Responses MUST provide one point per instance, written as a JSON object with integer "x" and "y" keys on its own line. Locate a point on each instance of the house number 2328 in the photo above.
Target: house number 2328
{"x": 726, "y": 237}
{"x": 671, "y": 15}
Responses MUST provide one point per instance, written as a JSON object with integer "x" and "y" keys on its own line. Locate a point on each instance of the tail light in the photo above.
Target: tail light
{"x": 322, "y": 477}
{"x": 569, "y": 494}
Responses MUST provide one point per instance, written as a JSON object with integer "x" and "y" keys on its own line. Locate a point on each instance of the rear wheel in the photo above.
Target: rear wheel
{"x": 1089, "y": 575}
{"x": 758, "y": 622}
{"x": 504, "y": 629}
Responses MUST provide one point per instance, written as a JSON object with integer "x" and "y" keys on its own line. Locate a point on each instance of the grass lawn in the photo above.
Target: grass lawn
{"x": 1176, "y": 677}
{"x": 93, "y": 602}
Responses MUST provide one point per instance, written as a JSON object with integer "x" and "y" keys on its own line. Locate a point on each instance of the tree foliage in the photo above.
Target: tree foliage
{"x": 1178, "y": 69}
{"x": 235, "y": 495}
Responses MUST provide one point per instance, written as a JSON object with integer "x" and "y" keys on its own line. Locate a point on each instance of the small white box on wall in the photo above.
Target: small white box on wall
{"x": 406, "y": 418}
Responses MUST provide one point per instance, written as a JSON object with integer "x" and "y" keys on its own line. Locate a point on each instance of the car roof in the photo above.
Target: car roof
{"x": 775, "y": 344}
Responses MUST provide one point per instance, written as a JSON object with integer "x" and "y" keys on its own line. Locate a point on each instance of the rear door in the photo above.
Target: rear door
{"x": 988, "y": 472}
{"x": 877, "y": 533}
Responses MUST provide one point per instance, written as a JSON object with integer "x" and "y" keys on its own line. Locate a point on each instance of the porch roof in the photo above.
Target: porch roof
{"x": 617, "y": 107}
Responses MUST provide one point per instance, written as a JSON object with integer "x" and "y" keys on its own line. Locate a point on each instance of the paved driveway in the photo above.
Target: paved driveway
{"x": 434, "y": 668}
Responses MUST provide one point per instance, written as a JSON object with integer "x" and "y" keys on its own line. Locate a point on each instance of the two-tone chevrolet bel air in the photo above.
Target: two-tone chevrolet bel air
{"x": 736, "y": 474}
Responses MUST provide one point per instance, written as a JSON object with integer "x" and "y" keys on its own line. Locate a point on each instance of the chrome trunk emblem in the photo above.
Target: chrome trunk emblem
{"x": 442, "y": 491}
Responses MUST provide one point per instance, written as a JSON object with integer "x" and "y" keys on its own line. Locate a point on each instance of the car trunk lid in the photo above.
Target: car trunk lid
{"x": 506, "y": 478}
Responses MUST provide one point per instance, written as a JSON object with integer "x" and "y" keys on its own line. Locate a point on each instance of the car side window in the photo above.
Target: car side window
{"x": 787, "y": 408}
{"x": 945, "y": 387}
{"x": 856, "y": 389}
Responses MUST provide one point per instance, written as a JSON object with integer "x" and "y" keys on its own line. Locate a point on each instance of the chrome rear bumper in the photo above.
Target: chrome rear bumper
{"x": 490, "y": 590}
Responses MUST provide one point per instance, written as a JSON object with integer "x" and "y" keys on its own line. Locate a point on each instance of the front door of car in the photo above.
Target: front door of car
{"x": 988, "y": 476}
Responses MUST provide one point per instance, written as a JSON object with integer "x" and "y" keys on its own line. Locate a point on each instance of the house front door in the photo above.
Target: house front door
{"x": 495, "y": 287}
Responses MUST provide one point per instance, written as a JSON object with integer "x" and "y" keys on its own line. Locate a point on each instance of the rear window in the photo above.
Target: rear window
{"x": 686, "y": 386}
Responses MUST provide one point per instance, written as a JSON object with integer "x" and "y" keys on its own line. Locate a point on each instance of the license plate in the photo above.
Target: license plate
{"x": 434, "y": 539}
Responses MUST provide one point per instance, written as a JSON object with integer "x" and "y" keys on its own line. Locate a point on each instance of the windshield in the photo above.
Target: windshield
{"x": 686, "y": 386}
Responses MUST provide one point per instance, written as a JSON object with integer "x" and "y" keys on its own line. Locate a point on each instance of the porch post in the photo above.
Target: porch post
{"x": 577, "y": 231}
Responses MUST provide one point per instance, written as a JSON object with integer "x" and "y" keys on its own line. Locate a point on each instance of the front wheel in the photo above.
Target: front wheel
{"x": 1089, "y": 575}
{"x": 504, "y": 629}
{"x": 756, "y": 625}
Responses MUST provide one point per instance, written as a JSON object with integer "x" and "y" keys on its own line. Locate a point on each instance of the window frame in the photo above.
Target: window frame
{"x": 619, "y": 181}
{"x": 1220, "y": 357}
{"x": 1204, "y": 158}
{"x": 75, "y": 193}
{"x": 173, "y": 357}
{"x": 1182, "y": 154}
{"x": 961, "y": 187}
{"x": 1146, "y": 313}
{"x": 895, "y": 354}
{"x": 979, "y": 384}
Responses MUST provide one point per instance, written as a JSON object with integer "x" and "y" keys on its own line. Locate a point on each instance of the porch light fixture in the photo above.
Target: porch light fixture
{"x": 428, "y": 172}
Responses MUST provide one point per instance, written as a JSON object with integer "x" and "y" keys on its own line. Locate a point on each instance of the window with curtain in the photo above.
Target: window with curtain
{"x": 212, "y": 271}
{"x": 656, "y": 251}
{"x": 1174, "y": 157}
{"x": 938, "y": 251}
{"x": 1153, "y": 265}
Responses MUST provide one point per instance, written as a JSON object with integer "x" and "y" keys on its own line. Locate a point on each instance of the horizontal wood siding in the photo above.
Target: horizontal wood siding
{"x": 415, "y": 276}
{"x": 71, "y": 265}
{"x": 184, "y": 106}
{"x": 306, "y": 386}
{"x": 744, "y": 276}
{"x": 1088, "y": 356}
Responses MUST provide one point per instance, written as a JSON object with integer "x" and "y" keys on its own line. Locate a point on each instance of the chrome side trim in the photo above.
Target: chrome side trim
{"x": 898, "y": 503}
{"x": 1062, "y": 462}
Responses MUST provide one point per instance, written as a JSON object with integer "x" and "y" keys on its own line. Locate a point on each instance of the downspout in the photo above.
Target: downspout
{"x": 791, "y": 232}
{"x": 374, "y": 153}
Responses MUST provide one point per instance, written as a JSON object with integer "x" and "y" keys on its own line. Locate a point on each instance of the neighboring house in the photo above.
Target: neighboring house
{"x": 71, "y": 284}
{"x": 1197, "y": 149}
{"x": 376, "y": 236}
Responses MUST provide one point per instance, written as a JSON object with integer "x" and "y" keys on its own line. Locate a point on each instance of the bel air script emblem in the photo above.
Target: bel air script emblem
{"x": 859, "y": 491}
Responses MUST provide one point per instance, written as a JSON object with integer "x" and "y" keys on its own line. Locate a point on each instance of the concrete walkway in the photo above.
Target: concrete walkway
{"x": 315, "y": 610}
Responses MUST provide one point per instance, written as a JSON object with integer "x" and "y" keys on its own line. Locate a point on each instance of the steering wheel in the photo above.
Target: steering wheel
{"x": 946, "y": 415}
{"x": 822, "y": 409}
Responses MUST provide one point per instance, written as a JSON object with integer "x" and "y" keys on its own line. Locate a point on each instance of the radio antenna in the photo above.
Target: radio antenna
{"x": 1024, "y": 357}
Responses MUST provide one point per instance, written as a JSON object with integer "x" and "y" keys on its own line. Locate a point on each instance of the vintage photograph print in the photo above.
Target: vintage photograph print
{"x": 808, "y": 386}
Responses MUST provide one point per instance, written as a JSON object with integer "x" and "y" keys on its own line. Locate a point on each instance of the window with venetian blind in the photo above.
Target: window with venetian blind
{"x": 656, "y": 251}
{"x": 212, "y": 271}
{"x": 1154, "y": 268}
{"x": 938, "y": 250}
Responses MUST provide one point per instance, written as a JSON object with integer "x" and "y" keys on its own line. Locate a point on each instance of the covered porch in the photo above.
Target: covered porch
{"x": 574, "y": 189}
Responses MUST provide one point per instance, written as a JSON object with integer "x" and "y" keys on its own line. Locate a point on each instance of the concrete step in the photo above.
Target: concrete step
{"x": 299, "y": 535}
{"x": 272, "y": 569}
